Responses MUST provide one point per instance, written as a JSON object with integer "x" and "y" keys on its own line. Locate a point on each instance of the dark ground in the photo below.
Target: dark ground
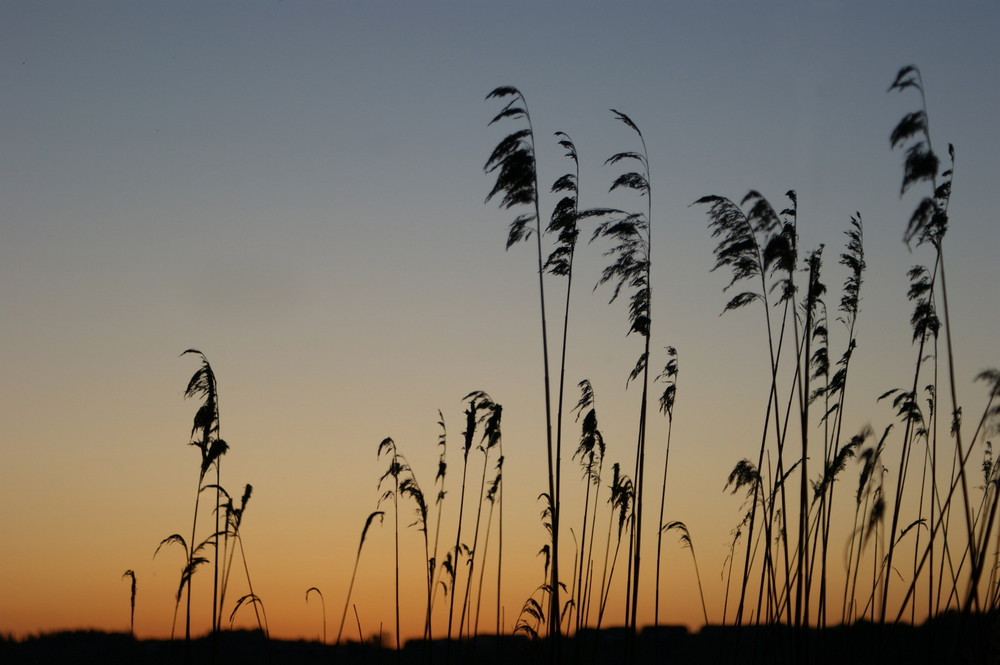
{"x": 946, "y": 639}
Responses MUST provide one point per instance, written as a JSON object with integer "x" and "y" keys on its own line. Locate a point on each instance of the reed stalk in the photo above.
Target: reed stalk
{"x": 354, "y": 572}
{"x": 669, "y": 377}
{"x": 632, "y": 254}
{"x": 131, "y": 615}
{"x": 322, "y": 604}
{"x": 517, "y": 179}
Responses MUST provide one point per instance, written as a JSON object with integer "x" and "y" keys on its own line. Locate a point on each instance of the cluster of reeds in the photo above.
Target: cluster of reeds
{"x": 760, "y": 247}
{"x": 783, "y": 548}
{"x": 399, "y": 483}
{"x": 629, "y": 235}
{"x": 220, "y": 545}
{"x": 928, "y": 226}
{"x": 788, "y": 555}
{"x": 787, "y": 545}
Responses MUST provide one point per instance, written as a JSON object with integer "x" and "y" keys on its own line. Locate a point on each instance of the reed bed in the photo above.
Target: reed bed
{"x": 917, "y": 524}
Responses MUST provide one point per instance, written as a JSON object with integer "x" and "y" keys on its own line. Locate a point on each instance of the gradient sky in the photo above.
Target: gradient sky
{"x": 296, "y": 189}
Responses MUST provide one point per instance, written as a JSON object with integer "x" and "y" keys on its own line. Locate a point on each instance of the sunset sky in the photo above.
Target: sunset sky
{"x": 296, "y": 188}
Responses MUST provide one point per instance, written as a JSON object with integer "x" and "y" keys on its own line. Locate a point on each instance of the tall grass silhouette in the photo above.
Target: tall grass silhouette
{"x": 397, "y": 467}
{"x": 833, "y": 392}
{"x": 753, "y": 245}
{"x": 411, "y": 489}
{"x": 928, "y": 225}
{"x": 131, "y": 614}
{"x": 591, "y": 452}
{"x": 490, "y": 422}
{"x": 322, "y": 603}
{"x": 204, "y": 436}
{"x": 190, "y": 563}
{"x": 689, "y": 544}
{"x": 783, "y": 556}
{"x": 513, "y": 160}
{"x": 439, "y": 480}
{"x": 354, "y": 573}
{"x": 631, "y": 253}
{"x": 621, "y": 499}
{"x": 451, "y": 562}
{"x": 234, "y": 520}
{"x": 667, "y": 399}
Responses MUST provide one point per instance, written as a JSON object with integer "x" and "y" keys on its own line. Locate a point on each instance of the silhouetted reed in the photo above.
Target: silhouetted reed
{"x": 354, "y": 572}
{"x": 513, "y": 160}
{"x": 411, "y": 489}
{"x": 205, "y": 436}
{"x": 669, "y": 377}
{"x": 322, "y": 602}
{"x": 131, "y": 615}
{"x": 397, "y": 467}
{"x": 591, "y": 451}
{"x": 787, "y": 490}
{"x": 631, "y": 235}
{"x": 754, "y": 245}
{"x": 688, "y": 543}
{"x": 621, "y": 500}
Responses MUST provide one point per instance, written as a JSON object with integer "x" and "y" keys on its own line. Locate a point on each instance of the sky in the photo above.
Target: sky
{"x": 296, "y": 189}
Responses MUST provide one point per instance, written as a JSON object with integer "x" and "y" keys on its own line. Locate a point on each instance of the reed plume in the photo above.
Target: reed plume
{"x": 131, "y": 616}
{"x": 669, "y": 378}
{"x": 753, "y": 245}
{"x": 928, "y": 225}
{"x": 591, "y": 451}
{"x": 513, "y": 160}
{"x": 410, "y": 488}
{"x": 631, "y": 253}
{"x": 205, "y": 437}
{"x": 397, "y": 467}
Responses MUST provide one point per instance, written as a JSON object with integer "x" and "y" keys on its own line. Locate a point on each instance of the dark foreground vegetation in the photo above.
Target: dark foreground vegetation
{"x": 948, "y": 638}
{"x": 929, "y": 527}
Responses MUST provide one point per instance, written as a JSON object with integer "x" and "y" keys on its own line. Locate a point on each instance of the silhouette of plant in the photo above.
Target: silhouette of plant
{"x": 191, "y": 562}
{"x": 754, "y": 244}
{"x": 688, "y": 543}
{"x": 490, "y": 423}
{"x": 590, "y": 451}
{"x": 397, "y": 468}
{"x": 322, "y": 604}
{"x": 513, "y": 160}
{"x": 410, "y": 488}
{"x": 669, "y": 378}
{"x": 251, "y": 599}
{"x": 630, "y": 267}
{"x": 442, "y": 472}
{"x": 621, "y": 500}
{"x": 234, "y": 520}
{"x": 205, "y": 436}
{"x": 451, "y": 562}
{"x": 350, "y": 587}
{"x": 131, "y": 615}
{"x": 928, "y": 225}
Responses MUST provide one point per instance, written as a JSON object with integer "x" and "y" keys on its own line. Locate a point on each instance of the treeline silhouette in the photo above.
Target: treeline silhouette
{"x": 947, "y": 638}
